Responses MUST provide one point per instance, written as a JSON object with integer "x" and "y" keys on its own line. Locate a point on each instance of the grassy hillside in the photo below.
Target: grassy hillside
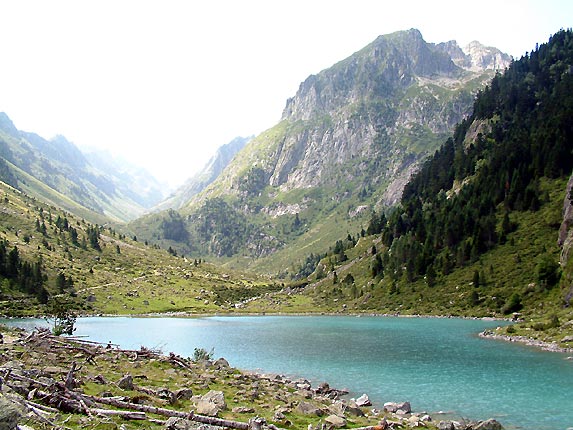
{"x": 109, "y": 273}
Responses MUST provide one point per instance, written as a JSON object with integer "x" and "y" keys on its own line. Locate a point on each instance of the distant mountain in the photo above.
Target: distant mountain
{"x": 206, "y": 176}
{"x": 55, "y": 170}
{"x": 347, "y": 143}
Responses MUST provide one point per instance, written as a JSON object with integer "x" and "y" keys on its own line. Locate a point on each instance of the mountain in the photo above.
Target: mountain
{"x": 205, "y": 177}
{"x": 92, "y": 185}
{"x": 484, "y": 228}
{"x": 347, "y": 142}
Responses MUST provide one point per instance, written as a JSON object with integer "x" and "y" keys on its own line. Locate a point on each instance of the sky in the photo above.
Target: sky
{"x": 164, "y": 83}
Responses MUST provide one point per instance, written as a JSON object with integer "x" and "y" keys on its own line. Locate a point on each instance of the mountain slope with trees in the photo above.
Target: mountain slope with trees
{"x": 348, "y": 141}
{"x": 477, "y": 229}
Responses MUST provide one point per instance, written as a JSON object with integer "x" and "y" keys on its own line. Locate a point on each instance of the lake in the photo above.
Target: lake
{"x": 437, "y": 364}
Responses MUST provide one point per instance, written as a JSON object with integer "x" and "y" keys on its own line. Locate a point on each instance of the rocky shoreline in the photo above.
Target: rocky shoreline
{"x": 54, "y": 382}
{"x": 546, "y": 346}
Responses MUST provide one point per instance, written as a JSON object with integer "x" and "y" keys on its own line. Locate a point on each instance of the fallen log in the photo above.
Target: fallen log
{"x": 170, "y": 413}
{"x": 126, "y": 415}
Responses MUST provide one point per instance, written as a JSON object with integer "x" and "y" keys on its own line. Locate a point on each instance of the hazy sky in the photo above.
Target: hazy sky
{"x": 164, "y": 83}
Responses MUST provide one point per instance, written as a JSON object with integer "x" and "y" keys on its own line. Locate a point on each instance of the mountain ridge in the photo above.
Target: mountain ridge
{"x": 352, "y": 135}
{"x": 106, "y": 190}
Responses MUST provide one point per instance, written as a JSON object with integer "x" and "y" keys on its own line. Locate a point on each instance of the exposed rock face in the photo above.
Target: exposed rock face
{"x": 475, "y": 56}
{"x": 362, "y": 126}
{"x": 565, "y": 239}
{"x": 371, "y": 118}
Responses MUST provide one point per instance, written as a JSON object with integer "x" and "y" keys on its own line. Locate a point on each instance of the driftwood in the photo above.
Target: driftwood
{"x": 126, "y": 415}
{"x": 44, "y": 399}
{"x": 171, "y": 413}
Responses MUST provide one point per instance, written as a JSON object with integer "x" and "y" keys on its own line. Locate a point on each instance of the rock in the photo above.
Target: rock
{"x": 212, "y": 403}
{"x": 99, "y": 379}
{"x": 323, "y": 388}
{"x": 184, "y": 394}
{"x": 243, "y": 410}
{"x": 221, "y": 363}
{"x": 126, "y": 383}
{"x": 166, "y": 394}
{"x": 278, "y": 416}
{"x": 308, "y": 409}
{"x": 335, "y": 421}
{"x": 174, "y": 423}
{"x": 363, "y": 400}
{"x": 9, "y": 414}
{"x": 446, "y": 425}
{"x": 567, "y": 339}
{"x": 205, "y": 407}
{"x": 398, "y": 408}
{"x": 490, "y": 424}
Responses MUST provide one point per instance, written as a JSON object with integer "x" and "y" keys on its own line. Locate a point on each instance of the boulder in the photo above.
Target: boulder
{"x": 216, "y": 397}
{"x": 184, "y": 393}
{"x": 221, "y": 363}
{"x": 9, "y": 414}
{"x": 446, "y": 425}
{"x": 211, "y": 403}
{"x": 335, "y": 421}
{"x": 306, "y": 408}
{"x": 243, "y": 410}
{"x": 398, "y": 408}
{"x": 363, "y": 400}
{"x": 490, "y": 424}
{"x": 174, "y": 423}
{"x": 126, "y": 383}
{"x": 205, "y": 407}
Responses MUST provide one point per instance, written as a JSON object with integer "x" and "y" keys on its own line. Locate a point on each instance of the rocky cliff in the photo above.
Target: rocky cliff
{"x": 376, "y": 114}
{"x": 352, "y": 134}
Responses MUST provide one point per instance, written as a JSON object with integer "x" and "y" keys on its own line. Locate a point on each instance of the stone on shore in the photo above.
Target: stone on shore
{"x": 309, "y": 409}
{"x": 446, "y": 425}
{"x": 398, "y": 408}
{"x": 490, "y": 424}
{"x": 335, "y": 421}
{"x": 363, "y": 400}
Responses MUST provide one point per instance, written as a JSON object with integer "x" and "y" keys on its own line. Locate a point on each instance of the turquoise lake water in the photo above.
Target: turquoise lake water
{"x": 439, "y": 365}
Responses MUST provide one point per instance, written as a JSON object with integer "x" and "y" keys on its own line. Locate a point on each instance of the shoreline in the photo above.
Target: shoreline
{"x": 535, "y": 343}
{"x": 315, "y": 403}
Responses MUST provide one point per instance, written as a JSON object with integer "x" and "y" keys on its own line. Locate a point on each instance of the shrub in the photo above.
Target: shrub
{"x": 201, "y": 354}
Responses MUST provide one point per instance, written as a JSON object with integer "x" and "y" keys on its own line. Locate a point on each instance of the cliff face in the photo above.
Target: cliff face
{"x": 376, "y": 114}
{"x": 352, "y": 134}
{"x": 565, "y": 239}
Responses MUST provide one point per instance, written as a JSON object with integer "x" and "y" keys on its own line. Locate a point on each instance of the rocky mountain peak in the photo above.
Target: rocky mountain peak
{"x": 390, "y": 63}
{"x": 7, "y": 126}
{"x": 486, "y": 57}
{"x": 475, "y": 57}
